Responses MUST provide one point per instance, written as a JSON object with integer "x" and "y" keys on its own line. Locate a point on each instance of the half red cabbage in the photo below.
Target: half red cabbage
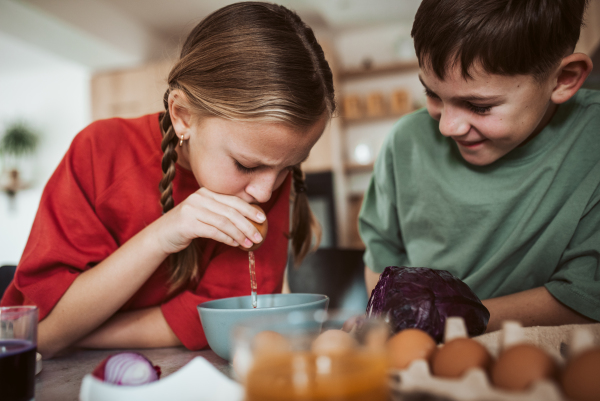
{"x": 127, "y": 369}
{"x": 419, "y": 297}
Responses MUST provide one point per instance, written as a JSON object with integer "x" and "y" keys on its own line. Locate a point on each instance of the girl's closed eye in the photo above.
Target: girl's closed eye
{"x": 244, "y": 169}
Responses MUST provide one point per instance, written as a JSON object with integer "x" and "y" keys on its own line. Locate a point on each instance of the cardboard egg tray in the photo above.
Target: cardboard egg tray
{"x": 475, "y": 384}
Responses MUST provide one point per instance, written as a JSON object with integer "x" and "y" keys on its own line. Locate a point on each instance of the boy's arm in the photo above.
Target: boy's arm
{"x": 371, "y": 279}
{"x": 535, "y": 307}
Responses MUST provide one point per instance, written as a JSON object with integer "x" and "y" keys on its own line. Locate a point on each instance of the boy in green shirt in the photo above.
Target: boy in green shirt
{"x": 498, "y": 181}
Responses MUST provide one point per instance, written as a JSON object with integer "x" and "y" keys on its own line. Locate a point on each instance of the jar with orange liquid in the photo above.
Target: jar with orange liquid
{"x": 307, "y": 356}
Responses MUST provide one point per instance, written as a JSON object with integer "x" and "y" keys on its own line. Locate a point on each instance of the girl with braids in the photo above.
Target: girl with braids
{"x": 113, "y": 261}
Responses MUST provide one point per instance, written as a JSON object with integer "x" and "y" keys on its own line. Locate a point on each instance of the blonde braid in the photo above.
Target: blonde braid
{"x": 169, "y": 159}
{"x": 304, "y": 223}
{"x": 186, "y": 259}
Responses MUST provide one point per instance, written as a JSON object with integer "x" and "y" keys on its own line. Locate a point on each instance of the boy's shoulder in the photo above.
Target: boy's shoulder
{"x": 588, "y": 97}
{"x": 416, "y": 120}
{"x": 413, "y": 138}
{"x": 580, "y": 117}
{"x": 414, "y": 129}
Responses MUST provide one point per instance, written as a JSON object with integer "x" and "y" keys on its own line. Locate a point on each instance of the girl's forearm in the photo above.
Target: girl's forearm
{"x": 98, "y": 293}
{"x": 144, "y": 328}
{"x": 535, "y": 307}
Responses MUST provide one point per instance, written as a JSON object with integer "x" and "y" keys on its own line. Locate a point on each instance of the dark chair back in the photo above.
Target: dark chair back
{"x": 337, "y": 273}
{"x": 6, "y": 275}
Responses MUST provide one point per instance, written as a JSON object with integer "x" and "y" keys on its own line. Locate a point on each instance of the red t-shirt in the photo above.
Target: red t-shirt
{"x": 104, "y": 191}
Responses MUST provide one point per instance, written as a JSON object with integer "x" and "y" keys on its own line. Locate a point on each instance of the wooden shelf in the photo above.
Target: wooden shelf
{"x": 384, "y": 69}
{"x": 358, "y": 168}
{"x": 363, "y": 120}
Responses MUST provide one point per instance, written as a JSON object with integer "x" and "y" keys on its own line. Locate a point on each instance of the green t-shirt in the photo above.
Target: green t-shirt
{"x": 530, "y": 219}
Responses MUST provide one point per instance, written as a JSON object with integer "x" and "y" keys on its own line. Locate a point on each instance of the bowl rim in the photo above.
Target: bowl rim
{"x": 200, "y": 307}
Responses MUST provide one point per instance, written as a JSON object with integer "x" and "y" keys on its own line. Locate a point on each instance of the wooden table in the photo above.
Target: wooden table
{"x": 60, "y": 378}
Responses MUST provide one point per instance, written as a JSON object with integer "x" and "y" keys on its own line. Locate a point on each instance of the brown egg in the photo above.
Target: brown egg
{"x": 521, "y": 365}
{"x": 268, "y": 341}
{"x": 581, "y": 377}
{"x": 262, "y": 229}
{"x": 459, "y": 355}
{"x": 409, "y": 345}
{"x": 335, "y": 342}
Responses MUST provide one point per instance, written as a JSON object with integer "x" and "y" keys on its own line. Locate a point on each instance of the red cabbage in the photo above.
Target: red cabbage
{"x": 419, "y": 297}
{"x": 127, "y": 369}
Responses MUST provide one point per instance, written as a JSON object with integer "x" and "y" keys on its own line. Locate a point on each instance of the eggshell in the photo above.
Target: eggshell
{"x": 262, "y": 229}
{"x": 581, "y": 377}
{"x": 335, "y": 342}
{"x": 459, "y": 355}
{"x": 409, "y": 345}
{"x": 522, "y": 365}
{"x": 267, "y": 342}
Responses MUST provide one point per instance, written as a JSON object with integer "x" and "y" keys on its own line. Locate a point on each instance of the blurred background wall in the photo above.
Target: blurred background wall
{"x": 64, "y": 63}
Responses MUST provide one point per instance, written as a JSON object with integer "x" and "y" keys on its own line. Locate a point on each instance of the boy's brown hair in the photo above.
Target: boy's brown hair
{"x": 506, "y": 37}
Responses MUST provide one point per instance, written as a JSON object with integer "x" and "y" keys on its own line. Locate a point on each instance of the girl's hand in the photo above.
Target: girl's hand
{"x": 207, "y": 214}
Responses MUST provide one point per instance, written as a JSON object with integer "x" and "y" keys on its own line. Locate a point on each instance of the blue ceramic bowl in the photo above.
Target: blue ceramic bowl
{"x": 220, "y": 316}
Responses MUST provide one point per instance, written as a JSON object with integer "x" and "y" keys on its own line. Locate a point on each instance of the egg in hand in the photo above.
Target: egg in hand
{"x": 262, "y": 229}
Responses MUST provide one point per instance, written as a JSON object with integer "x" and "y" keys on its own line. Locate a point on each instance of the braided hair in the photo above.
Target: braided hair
{"x": 189, "y": 256}
{"x": 249, "y": 61}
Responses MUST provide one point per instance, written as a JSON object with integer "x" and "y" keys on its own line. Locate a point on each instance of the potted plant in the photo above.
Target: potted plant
{"x": 19, "y": 142}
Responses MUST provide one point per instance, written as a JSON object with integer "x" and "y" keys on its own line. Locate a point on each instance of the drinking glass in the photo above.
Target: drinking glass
{"x": 311, "y": 356}
{"x": 18, "y": 344}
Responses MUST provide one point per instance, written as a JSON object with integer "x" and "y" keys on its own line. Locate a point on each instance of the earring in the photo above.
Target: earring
{"x": 181, "y": 141}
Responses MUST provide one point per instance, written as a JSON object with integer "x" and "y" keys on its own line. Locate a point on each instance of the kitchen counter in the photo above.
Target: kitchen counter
{"x": 60, "y": 378}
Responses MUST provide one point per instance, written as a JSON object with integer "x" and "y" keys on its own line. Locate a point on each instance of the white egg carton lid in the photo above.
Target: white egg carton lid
{"x": 475, "y": 385}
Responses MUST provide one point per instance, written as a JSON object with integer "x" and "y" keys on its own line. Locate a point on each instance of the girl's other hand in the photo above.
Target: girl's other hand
{"x": 207, "y": 214}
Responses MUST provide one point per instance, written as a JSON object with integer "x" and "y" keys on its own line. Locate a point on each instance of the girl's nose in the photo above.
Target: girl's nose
{"x": 261, "y": 186}
{"x": 453, "y": 122}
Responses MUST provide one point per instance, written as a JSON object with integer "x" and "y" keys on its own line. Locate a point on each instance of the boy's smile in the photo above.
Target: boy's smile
{"x": 488, "y": 115}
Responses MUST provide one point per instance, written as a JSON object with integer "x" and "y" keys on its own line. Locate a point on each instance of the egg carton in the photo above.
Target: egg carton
{"x": 475, "y": 384}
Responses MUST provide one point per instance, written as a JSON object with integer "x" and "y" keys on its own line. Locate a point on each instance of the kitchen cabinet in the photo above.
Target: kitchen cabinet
{"x": 131, "y": 92}
{"x": 373, "y": 99}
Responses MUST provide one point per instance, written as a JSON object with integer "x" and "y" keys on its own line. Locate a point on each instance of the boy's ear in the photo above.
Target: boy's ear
{"x": 573, "y": 71}
{"x": 181, "y": 117}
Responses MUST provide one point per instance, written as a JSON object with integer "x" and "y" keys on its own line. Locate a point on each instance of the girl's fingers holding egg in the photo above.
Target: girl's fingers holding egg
{"x": 253, "y": 219}
{"x": 224, "y": 224}
{"x": 237, "y": 210}
{"x": 208, "y": 231}
{"x": 225, "y": 218}
{"x": 244, "y": 208}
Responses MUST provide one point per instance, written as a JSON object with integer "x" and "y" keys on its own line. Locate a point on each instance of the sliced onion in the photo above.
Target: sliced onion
{"x": 127, "y": 369}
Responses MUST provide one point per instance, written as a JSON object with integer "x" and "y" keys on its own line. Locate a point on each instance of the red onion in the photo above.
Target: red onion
{"x": 127, "y": 369}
